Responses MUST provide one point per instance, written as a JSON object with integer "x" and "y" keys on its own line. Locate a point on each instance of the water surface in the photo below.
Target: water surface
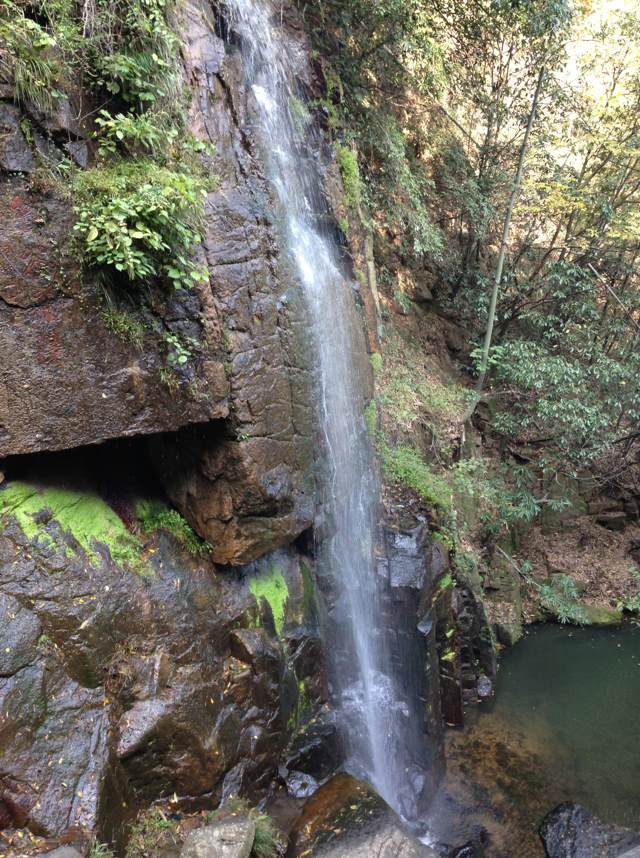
{"x": 581, "y": 689}
{"x": 564, "y": 726}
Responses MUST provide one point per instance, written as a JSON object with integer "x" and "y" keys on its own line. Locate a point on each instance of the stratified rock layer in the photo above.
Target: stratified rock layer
{"x": 79, "y": 365}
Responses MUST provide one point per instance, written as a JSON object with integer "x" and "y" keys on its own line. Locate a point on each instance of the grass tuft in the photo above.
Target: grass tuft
{"x": 155, "y": 515}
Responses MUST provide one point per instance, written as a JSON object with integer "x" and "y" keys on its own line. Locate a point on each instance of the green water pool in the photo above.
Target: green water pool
{"x": 579, "y": 691}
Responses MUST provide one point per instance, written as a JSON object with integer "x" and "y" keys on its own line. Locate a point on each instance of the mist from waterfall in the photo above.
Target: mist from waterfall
{"x": 373, "y": 718}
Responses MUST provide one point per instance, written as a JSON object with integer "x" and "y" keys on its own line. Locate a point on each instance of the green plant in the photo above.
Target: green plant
{"x": 179, "y": 349}
{"x": 147, "y": 132}
{"x": 140, "y": 219}
{"x": 99, "y": 850}
{"x": 139, "y": 78}
{"x": 405, "y": 465}
{"x": 155, "y": 515}
{"x": 151, "y": 831}
{"x": 350, "y": 172}
{"x": 631, "y": 603}
{"x": 371, "y": 417}
{"x": 266, "y": 840}
{"x": 169, "y": 378}
{"x": 26, "y": 57}
{"x": 123, "y": 324}
{"x": 560, "y": 597}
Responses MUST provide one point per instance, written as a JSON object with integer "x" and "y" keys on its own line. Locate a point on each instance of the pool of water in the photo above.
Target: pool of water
{"x": 581, "y": 689}
{"x": 564, "y": 726}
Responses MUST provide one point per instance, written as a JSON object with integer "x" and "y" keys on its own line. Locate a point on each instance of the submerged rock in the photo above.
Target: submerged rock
{"x": 346, "y": 818}
{"x": 571, "y": 831}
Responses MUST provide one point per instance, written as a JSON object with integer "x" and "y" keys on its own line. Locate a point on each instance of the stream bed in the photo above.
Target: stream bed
{"x": 563, "y": 726}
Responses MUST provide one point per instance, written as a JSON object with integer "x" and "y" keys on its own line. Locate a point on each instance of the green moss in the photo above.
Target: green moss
{"x": 376, "y": 362}
{"x": 371, "y": 417}
{"x": 412, "y": 388}
{"x": 309, "y": 599}
{"x": 272, "y": 587}
{"x": 404, "y": 464}
{"x": 300, "y": 115}
{"x": 84, "y": 515}
{"x": 303, "y": 705}
{"x": 602, "y": 616}
{"x": 155, "y": 515}
{"x": 350, "y": 172}
{"x": 124, "y": 325}
{"x": 330, "y": 111}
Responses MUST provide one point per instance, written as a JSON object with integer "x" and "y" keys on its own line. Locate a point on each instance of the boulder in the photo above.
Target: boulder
{"x": 88, "y": 384}
{"x": 602, "y": 615}
{"x": 108, "y": 703}
{"x": 232, "y": 839}
{"x": 346, "y": 818}
{"x": 571, "y": 831}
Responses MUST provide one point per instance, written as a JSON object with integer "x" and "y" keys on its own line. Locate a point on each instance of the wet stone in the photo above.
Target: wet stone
{"x": 571, "y": 831}
{"x": 225, "y": 840}
{"x": 346, "y": 818}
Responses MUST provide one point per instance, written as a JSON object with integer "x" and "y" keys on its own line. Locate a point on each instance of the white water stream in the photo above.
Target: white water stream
{"x": 371, "y": 714}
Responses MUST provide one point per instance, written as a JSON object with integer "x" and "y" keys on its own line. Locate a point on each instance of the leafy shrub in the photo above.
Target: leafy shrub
{"x": 140, "y": 219}
{"x": 560, "y": 597}
{"x": 139, "y": 79}
{"x": 133, "y": 133}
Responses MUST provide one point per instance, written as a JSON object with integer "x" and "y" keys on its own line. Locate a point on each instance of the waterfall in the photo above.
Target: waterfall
{"x": 372, "y": 714}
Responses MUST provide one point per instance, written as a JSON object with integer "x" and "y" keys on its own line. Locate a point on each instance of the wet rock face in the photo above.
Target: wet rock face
{"x": 346, "y": 819}
{"x": 571, "y": 831}
{"x": 252, "y": 491}
{"x": 412, "y": 565}
{"x": 117, "y": 688}
{"x": 66, "y": 379}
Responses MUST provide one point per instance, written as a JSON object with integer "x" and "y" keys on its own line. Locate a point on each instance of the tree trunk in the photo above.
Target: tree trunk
{"x": 484, "y": 362}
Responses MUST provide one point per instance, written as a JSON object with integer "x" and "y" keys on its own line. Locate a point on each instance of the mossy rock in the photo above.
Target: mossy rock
{"x": 84, "y": 515}
{"x": 602, "y": 616}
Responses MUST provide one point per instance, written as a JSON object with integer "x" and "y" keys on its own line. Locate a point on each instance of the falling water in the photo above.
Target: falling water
{"x": 372, "y": 714}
